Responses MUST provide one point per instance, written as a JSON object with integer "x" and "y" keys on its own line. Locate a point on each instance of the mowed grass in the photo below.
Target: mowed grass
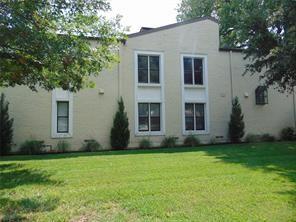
{"x": 248, "y": 182}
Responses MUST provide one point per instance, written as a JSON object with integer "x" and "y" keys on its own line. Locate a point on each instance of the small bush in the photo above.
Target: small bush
{"x": 267, "y": 138}
{"x": 145, "y": 143}
{"x": 213, "y": 140}
{"x": 288, "y": 134}
{"x": 31, "y": 147}
{"x": 91, "y": 146}
{"x": 169, "y": 141}
{"x": 252, "y": 138}
{"x": 62, "y": 146}
{"x": 191, "y": 140}
{"x": 255, "y": 138}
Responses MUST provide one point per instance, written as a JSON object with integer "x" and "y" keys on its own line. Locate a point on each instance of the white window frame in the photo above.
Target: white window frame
{"x": 197, "y": 100}
{"x": 192, "y": 57}
{"x": 59, "y": 95}
{"x": 149, "y": 117}
{"x": 149, "y": 100}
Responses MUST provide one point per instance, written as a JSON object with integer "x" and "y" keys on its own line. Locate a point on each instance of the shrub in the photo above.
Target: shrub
{"x": 6, "y": 130}
{"x": 236, "y": 124}
{"x": 31, "y": 147}
{"x": 266, "y": 137}
{"x": 191, "y": 140}
{"x": 288, "y": 134}
{"x": 252, "y": 138}
{"x": 91, "y": 146}
{"x": 62, "y": 146}
{"x": 169, "y": 141}
{"x": 145, "y": 143}
{"x": 120, "y": 133}
{"x": 213, "y": 140}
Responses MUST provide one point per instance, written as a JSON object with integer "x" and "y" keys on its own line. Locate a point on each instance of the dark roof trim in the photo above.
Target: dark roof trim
{"x": 172, "y": 26}
{"x": 231, "y": 49}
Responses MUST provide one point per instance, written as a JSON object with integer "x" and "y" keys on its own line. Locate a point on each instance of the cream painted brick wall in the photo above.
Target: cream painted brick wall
{"x": 93, "y": 113}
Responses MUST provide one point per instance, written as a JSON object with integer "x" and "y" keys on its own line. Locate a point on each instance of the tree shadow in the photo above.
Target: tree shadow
{"x": 14, "y": 175}
{"x": 279, "y": 158}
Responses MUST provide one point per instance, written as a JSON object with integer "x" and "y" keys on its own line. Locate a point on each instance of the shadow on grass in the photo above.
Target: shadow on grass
{"x": 13, "y": 175}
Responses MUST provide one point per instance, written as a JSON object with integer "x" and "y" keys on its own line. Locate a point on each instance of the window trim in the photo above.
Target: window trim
{"x": 59, "y": 95}
{"x": 196, "y": 100}
{"x": 160, "y": 100}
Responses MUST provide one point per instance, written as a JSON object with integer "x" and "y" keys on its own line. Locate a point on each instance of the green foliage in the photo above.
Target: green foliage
{"x": 170, "y": 141}
{"x": 213, "y": 140}
{"x": 236, "y": 124}
{"x": 288, "y": 134}
{"x": 91, "y": 146}
{"x": 266, "y": 137}
{"x": 265, "y": 29}
{"x": 120, "y": 134}
{"x": 255, "y": 138}
{"x": 30, "y": 147}
{"x": 145, "y": 144}
{"x": 6, "y": 129}
{"x": 191, "y": 140}
{"x": 45, "y": 43}
{"x": 62, "y": 146}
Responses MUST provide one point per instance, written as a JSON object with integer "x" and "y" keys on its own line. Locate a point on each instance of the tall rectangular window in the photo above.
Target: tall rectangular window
{"x": 149, "y": 117}
{"x": 193, "y": 71}
{"x": 194, "y": 116}
{"x": 148, "y": 69}
{"x": 62, "y": 116}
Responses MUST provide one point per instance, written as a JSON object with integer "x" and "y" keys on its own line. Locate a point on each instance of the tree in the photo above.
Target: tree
{"x": 6, "y": 130}
{"x": 46, "y": 43}
{"x": 264, "y": 29}
{"x": 120, "y": 133}
{"x": 236, "y": 124}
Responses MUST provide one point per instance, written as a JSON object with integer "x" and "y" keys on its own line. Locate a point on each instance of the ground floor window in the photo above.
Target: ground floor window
{"x": 194, "y": 116}
{"x": 149, "y": 117}
{"x": 62, "y": 116}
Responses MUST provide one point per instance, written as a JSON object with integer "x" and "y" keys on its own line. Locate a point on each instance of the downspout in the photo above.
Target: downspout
{"x": 294, "y": 108}
{"x": 230, "y": 72}
{"x": 118, "y": 74}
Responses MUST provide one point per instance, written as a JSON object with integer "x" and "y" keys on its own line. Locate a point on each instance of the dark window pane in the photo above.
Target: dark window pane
{"x": 198, "y": 71}
{"x": 142, "y": 69}
{"x": 188, "y": 71}
{"x": 189, "y": 116}
{"x": 62, "y": 117}
{"x": 189, "y": 123}
{"x": 143, "y": 76}
{"x": 154, "y": 76}
{"x": 143, "y": 123}
{"x": 154, "y": 62}
{"x": 155, "y": 123}
{"x": 143, "y": 109}
{"x": 200, "y": 116}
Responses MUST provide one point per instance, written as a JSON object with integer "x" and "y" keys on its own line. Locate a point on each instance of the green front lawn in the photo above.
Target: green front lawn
{"x": 214, "y": 183}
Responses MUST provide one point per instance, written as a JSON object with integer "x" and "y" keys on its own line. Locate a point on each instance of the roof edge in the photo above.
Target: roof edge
{"x": 189, "y": 21}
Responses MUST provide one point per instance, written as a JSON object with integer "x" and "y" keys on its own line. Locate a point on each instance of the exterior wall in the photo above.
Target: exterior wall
{"x": 93, "y": 112}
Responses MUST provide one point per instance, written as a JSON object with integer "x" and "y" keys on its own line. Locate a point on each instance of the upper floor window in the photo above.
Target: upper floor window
{"x": 193, "y": 70}
{"x": 148, "y": 69}
{"x": 261, "y": 95}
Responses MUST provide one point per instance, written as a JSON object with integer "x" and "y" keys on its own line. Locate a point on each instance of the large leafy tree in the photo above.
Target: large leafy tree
{"x": 45, "y": 43}
{"x": 265, "y": 29}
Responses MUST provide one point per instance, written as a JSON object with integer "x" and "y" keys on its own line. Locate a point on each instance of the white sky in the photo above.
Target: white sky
{"x": 147, "y": 13}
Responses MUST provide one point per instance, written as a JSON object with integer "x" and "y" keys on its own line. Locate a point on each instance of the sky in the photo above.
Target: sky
{"x": 147, "y": 13}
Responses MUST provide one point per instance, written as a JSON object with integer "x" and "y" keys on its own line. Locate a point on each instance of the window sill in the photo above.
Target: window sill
{"x": 149, "y": 85}
{"x": 194, "y": 86}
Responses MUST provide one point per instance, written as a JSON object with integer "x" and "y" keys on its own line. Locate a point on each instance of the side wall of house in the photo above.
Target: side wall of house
{"x": 93, "y": 109}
